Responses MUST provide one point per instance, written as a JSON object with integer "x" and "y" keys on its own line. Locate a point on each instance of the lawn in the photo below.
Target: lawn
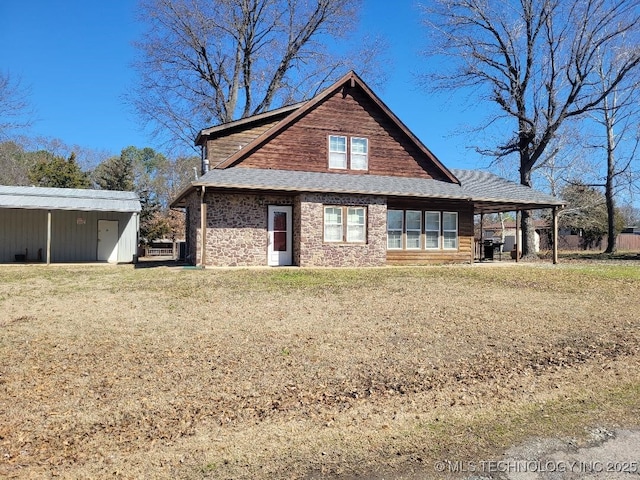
{"x": 113, "y": 371}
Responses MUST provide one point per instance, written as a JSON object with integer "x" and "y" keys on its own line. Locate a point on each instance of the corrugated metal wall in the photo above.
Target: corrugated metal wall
{"x": 74, "y": 235}
{"x": 22, "y": 230}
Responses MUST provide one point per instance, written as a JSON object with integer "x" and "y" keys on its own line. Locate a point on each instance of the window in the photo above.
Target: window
{"x": 414, "y": 228}
{"x": 394, "y": 228}
{"x": 337, "y": 152}
{"x": 359, "y": 153}
{"x": 353, "y": 231}
{"x": 432, "y": 229}
{"x": 333, "y": 224}
{"x": 355, "y": 224}
{"x": 450, "y": 229}
{"x": 405, "y": 230}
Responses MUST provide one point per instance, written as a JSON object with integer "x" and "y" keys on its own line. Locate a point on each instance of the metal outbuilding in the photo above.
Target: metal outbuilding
{"x": 67, "y": 225}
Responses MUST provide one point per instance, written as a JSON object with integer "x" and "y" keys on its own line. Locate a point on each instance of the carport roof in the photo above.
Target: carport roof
{"x": 40, "y": 198}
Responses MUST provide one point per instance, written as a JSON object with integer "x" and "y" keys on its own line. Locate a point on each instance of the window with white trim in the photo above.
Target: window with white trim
{"x": 359, "y": 153}
{"x": 405, "y": 230}
{"x": 356, "y": 224}
{"x": 432, "y": 230}
{"x": 356, "y": 151}
{"x": 449, "y": 230}
{"x": 413, "y": 220}
{"x": 395, "y": 226}
{"x": 345, "y": 224}
{"x": 337, "y": 152}
{"x": 333, "y": 224}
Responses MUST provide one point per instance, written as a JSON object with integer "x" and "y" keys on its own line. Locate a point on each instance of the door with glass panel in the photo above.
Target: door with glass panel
{"x": 279, "y": 226}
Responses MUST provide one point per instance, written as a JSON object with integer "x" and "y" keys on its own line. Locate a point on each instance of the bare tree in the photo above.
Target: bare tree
{"x": 536, "y": 61}
{"x": 206, "y": 62}
{"x": 15, "y": 109}
{"x": 618, "y": 116}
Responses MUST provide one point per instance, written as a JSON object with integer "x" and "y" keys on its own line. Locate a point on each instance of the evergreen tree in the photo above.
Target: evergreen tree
{"x": 115, "y": 173}
{"x": 54, "y": 171}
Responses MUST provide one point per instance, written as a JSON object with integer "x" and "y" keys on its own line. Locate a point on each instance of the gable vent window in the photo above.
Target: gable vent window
{"x": 355, "y": 149}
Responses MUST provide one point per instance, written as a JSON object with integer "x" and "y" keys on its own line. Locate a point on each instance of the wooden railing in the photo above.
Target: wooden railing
{"x": 158, "y": 252}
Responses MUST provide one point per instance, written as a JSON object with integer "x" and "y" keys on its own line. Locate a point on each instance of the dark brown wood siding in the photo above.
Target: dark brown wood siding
{"x": 221, "y": 148}
{"x": 351, "y": 113}
{"x": 464, "y": 252}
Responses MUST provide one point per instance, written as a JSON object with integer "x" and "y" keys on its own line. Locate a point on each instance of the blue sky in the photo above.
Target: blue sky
{"x": 75, "y": 56}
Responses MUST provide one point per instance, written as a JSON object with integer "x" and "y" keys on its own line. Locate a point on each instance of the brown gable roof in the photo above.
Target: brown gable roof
{"x": 352, "y": 80}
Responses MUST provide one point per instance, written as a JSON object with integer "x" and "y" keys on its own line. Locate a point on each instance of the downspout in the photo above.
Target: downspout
{"x": 203, "y": 227}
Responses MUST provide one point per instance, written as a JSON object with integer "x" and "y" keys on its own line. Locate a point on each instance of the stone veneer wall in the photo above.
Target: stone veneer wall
{"x": 237, "y": 228}
{"x": 313, "y": 251}
{"x": 192, "y": 223}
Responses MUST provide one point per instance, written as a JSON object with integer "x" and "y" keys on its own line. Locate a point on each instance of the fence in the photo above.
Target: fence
{"x": 624, "y": 241}
{"x": 158, "y": 252}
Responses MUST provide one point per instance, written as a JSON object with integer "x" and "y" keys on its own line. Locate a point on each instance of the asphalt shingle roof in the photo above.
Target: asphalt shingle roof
{"x": 68, "y": 199}
{"x": 480, "y": 187}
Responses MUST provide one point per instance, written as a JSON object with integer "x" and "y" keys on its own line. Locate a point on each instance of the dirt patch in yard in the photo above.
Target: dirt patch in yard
{"x": 171, "y": 373}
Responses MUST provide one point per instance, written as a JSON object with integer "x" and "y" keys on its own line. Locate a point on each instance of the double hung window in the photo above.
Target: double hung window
{"x": 395, "y": 226}
{"x": 432, "y": 230}
{"x": 352, "y": 154}
{"x": 417, "y": 230}
{"x": 345, "y": 224}
{"x": 359, "y": 153}
{"x": 450, "y": 230}
{"x": 414, "y": 229}
{"x": 337, "y": 152}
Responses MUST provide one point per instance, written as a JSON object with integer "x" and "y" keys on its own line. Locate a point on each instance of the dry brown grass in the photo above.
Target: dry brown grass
{"x": 171, "y": 373}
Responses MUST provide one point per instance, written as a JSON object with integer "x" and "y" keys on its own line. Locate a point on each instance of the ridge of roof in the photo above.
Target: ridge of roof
{"x": 353, "y": 79}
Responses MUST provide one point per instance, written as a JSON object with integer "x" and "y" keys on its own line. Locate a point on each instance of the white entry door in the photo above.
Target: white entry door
{"x": 280, "y": 238}
{"x": 108, "y": 241}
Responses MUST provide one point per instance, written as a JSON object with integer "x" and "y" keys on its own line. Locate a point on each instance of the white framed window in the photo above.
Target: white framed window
{"x": 450, "y": 230}
{"x": 356, "y": 224}
{"x": 359, "y": 153}
{"x": 333, "y": 224}
{"x": 337, "y": 152}
{"x": 413, "y": 221}
{"x": 432, "y": 230}
{"x": 345, "y": 224}
{"x": 395, "y": 226}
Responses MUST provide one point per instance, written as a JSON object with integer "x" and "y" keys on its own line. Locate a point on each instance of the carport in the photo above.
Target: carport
{"x": 65, "y": 225}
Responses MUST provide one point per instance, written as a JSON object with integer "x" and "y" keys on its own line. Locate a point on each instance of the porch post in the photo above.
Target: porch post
{"x": 481, "y": 237}
{"x": 554, "y": 212}
{"x": 518, "y": 235}
{"x": 48, "y": 237}
{"x": 203, "y": 227}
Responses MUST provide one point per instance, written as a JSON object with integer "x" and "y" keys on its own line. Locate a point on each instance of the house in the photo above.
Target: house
{"x": 337, "y": 180}
{"x": 66, "y": 225}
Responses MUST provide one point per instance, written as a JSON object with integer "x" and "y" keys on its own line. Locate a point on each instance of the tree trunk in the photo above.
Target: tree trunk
{"x": 528, "y": 228}
{"x": 608, "y": 192}
{"x": 611, "y": 224}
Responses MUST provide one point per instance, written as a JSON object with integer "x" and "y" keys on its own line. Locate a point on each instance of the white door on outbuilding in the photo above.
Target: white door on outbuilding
{"x": 108, "y": 241}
